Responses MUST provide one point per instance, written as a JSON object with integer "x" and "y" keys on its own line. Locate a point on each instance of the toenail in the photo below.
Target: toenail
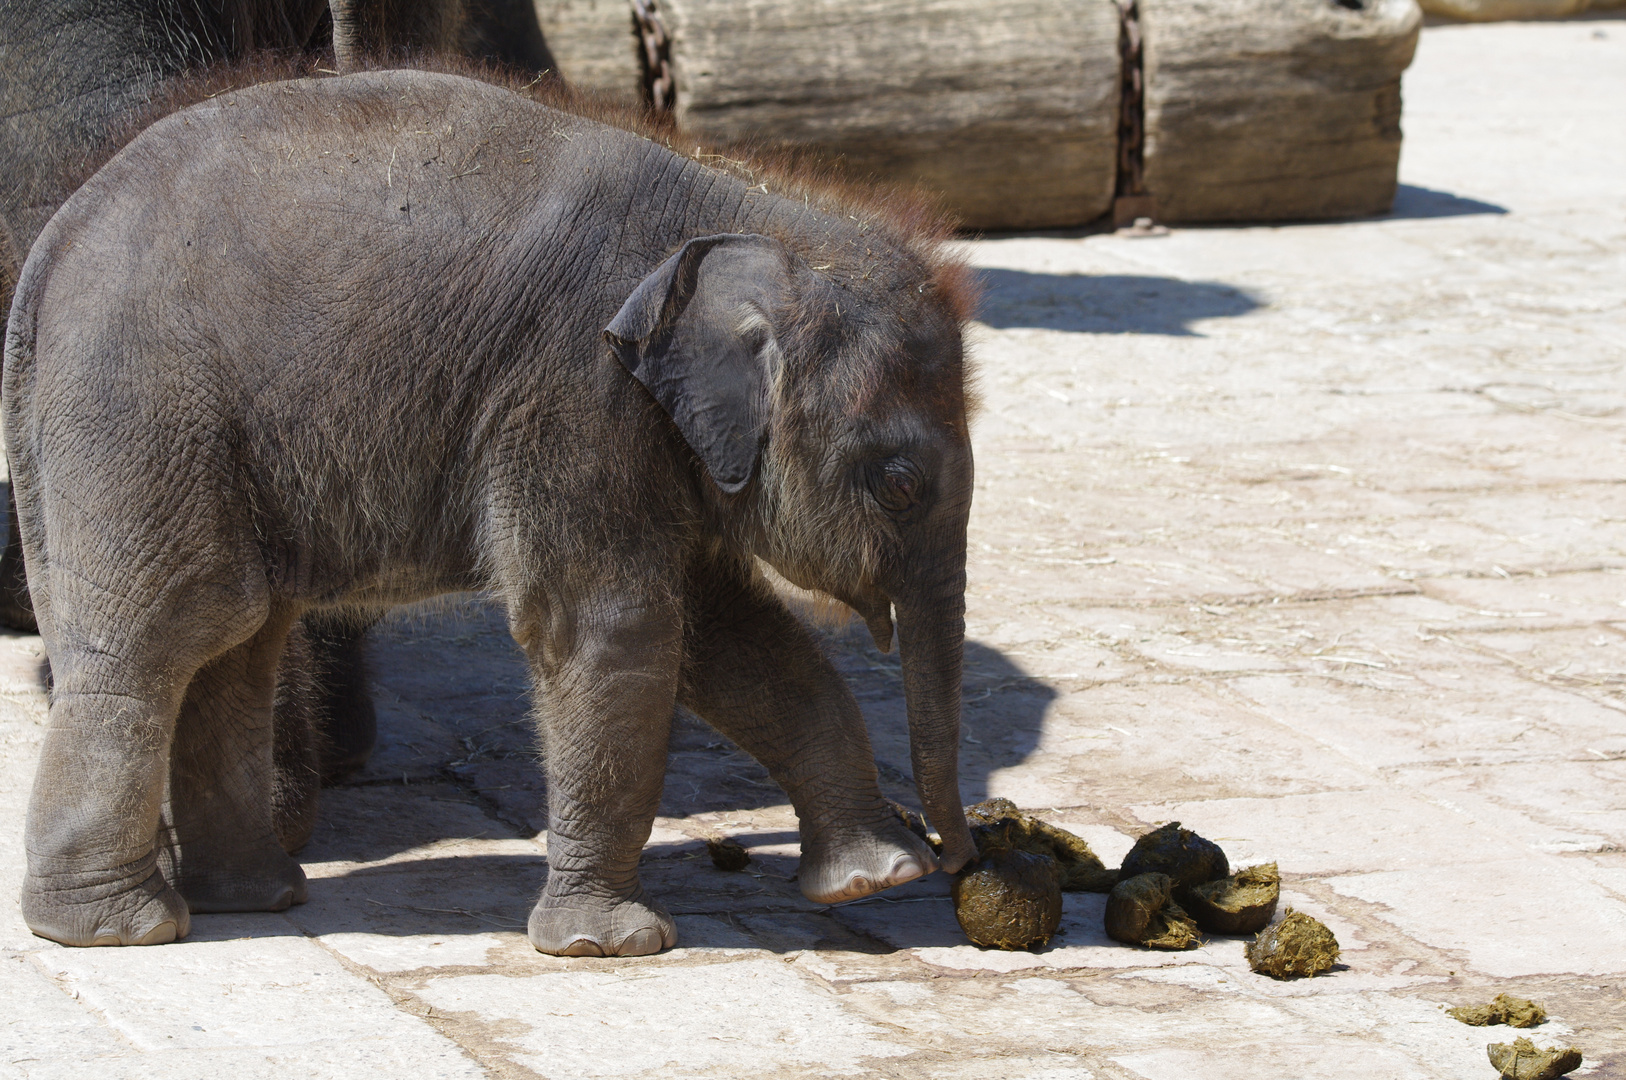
{"x": 582, "y": 946}
{"x": 162, "y": 934}
{"x": 641, "y": 942}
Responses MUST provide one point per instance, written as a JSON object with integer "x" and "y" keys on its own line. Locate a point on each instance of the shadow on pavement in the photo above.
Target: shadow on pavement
{"x": 454, "y": 714}
{"x": 1003, "y": 718}
{"x": 457, "y": 762}
{"x": 1413, "y": 202}
{"x": 1004, "y": 711}
{"x": 1105, "y": 304}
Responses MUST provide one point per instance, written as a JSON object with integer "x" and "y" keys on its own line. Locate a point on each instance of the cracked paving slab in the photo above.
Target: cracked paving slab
{"x": 1312, "y": 537}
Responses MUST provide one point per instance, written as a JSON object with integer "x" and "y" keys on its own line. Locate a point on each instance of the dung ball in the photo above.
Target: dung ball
{"x": 998, "y": 823}
{"x": 728, "y": 854}
{"x": 1524, "y": 1060}
{"x": 1294, "y": 948}
{"x": 1184, "y": 856}
{"x": 1009, "y": 899}
{"x": 1240, "y": 904}
{"x": 1141, "y": 911}
{"x": 1505, "y": 1009}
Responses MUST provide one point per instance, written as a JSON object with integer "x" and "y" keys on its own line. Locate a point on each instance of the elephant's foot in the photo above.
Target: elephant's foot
{"x": 592, "y": 926}
{"x": 140, "y": 911}
{"x": 261, "y": 879}
{"x": 854, "y": 863}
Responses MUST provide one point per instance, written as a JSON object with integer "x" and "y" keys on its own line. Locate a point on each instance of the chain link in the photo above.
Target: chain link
{"x": 1131, "y": 101}
{"x": 654, "y": 56}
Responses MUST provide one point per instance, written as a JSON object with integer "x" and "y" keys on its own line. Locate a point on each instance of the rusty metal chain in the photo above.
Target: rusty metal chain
{"x": 654, "y": 56}
{"x": 1131, "y": 102}
{"x": 1134, "y": 206}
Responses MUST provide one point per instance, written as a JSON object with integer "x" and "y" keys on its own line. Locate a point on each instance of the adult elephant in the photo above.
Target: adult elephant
{"x": 73, "y": 72}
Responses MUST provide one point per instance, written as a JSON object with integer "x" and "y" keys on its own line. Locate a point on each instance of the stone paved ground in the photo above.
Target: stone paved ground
{"x": 1311, "y": 537}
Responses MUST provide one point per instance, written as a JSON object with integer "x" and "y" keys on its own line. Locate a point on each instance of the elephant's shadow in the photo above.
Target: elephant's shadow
{"x": 457, "y": 758}
{"x": 454, "y": 707}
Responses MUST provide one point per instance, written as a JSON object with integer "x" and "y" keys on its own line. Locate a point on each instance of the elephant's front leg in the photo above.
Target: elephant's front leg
{"x": 606, "y": 686}
{"x": 756, "y": 675}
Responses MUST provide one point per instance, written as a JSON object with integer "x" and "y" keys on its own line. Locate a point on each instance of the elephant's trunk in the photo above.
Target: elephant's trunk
{"x": 931, "y": 640}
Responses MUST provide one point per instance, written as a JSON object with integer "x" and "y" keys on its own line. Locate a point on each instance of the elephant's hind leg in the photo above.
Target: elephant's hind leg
{"x": 344, "y": 718}
{"x": 218, "y": 841}
{"x": 323, "y": 719}
{"x": 141, "y": 621}
{"x": 297, "y": 745}
{"x": 753, "y": 673}
{"x": 153, "y": 802}
{"x": 93, "y": 876}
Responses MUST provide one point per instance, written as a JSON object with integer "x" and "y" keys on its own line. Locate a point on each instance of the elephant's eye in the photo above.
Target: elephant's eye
{"x": 895, "y": 484}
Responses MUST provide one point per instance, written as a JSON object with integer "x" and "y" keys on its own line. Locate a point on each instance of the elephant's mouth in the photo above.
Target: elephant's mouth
{"x": 875, "y": 608}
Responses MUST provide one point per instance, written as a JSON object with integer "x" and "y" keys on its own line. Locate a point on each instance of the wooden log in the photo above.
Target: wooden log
{"x": 1273, "y": 110}
{"x": 1498, "y": 10}
{"x": 1009, "y": 108}
{"x": 594, "y": 44}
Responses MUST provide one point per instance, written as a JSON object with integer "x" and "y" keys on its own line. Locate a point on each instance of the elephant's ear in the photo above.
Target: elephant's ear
{"x": 697, "y": 334}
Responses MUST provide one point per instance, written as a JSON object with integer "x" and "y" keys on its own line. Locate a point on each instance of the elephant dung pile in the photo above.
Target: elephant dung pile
{"x": 1296, "y": 947}
{"x": 1187, "y": 858}
{"x": 1524, "y": 1060}
{"x": 1512, "y": 1011}
{"x": 1010, "y": 897}
{"x": 1172, "y": 886}
{"x": 1520, "y": 1059}
{"x": 728, "y": 854}
{"x": 1174, "y": 882}
{"x": 997, "y": 823}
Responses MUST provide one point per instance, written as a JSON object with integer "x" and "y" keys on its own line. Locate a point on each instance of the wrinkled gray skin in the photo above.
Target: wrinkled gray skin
{"x": 71, "y": 73}
{"x": 396, "y": 334}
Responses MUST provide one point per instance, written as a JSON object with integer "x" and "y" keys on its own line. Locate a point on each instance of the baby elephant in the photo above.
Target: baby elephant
{"x": 339, "y": 344}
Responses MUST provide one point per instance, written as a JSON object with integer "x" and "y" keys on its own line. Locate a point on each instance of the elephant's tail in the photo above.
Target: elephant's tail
{"x": 16, "y": 606}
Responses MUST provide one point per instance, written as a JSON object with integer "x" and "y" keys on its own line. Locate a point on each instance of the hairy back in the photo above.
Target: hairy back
{"x": 387, "y": 291}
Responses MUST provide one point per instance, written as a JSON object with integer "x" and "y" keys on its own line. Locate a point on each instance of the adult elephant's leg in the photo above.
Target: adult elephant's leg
{"x": 218, "y": 842}
{"x": 376, "y": 29}
{"x": 756, "y": 675}
{"x": 507, "y": 31}
{"x": 346, "y": 722}
{"x": 606, "y": 684}
{"x": 504, "y": 31}
{"x": 16, "y": 607}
